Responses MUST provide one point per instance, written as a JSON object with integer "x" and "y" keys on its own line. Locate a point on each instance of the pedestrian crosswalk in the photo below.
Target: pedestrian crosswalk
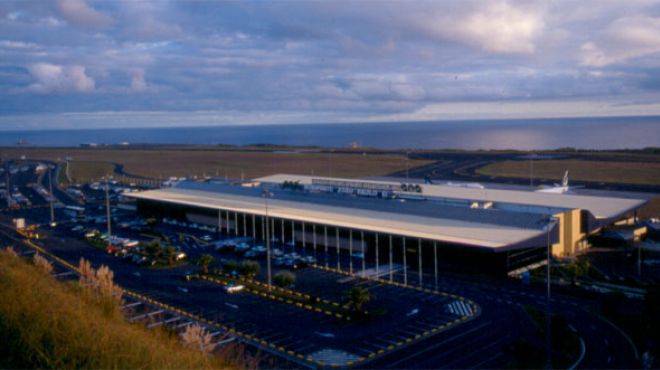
{"x": 334, "y": 357}
{"x": 460, "y": 308}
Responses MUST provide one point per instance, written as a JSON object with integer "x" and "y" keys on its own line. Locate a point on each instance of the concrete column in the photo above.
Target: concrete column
{"x": 272, "y": 229}
{"x": 314, "y": 239}
{"x": 254, "y": 228}
{"x": 303, "y": 239}
{"x": 377, "y": 262}
{"x": 419, "y": 261}
{"x": 219, "y": 221}
{"x": 391, "y": 261}
{"x": 244, "y": 224}
{"x": 263, "y": 228}
{"x": 236, "y": 223}
{"x": 293, "y": 235}
{"x": 325, "y": 242}
{"x": 338, "y": 249}
{"x": 405, "y": 267}
{"x": 364, "y": 255}
{"x": 350, "y": 251}
{"x": 435, "y": 263}
{"x": 283, "y": 238}
{"x": 227, "y": 223}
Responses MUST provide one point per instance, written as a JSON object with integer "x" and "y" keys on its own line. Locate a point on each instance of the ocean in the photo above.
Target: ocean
{"x": 522, "y": 134}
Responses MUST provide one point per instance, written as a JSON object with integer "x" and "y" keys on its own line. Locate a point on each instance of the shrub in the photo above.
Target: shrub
{"x": 284, "y": 279}
{"x": 230, "y": 265}
{"x": 249, "y": 268}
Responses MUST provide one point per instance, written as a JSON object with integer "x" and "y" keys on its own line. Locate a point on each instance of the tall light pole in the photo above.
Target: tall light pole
{"x": 107, "y": 209}
{"x": 52, "y": 197}
{"x": 548, "y": 337}
{"x": 266, "y": 193}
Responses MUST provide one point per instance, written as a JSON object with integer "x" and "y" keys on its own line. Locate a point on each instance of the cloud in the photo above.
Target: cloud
{"x": 138, "y": 83}
{"x": 17, "y": 44}
{"x": 142, "y": 21}
{"x": 81, "y": 14}
{"x": 492, "y": 26}
{"x": 335, "y": 60}
{"x": 52, "y": 78}
{"x": 625, "y": 38}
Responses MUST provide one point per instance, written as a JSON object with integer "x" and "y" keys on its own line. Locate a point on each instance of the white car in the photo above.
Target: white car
{"x": 234, "y": 288}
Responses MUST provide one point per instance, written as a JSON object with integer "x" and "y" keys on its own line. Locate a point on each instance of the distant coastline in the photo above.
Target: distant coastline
{"x": 517, "y": 134}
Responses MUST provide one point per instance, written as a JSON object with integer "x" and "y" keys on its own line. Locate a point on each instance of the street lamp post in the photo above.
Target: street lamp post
{"x": 52, "y": 197}
{"x": 107, "y": 209}
{"x": 548, "y": 336}
{"x": 267, "y": 194}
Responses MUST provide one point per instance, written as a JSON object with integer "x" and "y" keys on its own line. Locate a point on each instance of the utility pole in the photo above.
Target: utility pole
{"x": 639, "y": 249}
{"x": 107, "y": 209}
{"x": 266, "y": 194}
{"x": 407, "y": 166}
{"x": 548, "y": 316}
{"x": 531, "y": 170}
{"x": 52, "y": 197}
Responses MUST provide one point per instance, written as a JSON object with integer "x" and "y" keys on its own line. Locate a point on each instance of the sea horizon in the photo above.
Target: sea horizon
{"x": 590, "y": 133}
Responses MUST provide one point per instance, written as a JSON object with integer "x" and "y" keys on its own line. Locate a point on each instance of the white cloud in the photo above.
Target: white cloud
{"x": 625, "y": 38}
{"x": 79, "y": 13}
{"x": 17, "y": 44}
{"x": 494, "y": 26}
{"x": 138, "y": 83}
{"x": 52, "y": 78}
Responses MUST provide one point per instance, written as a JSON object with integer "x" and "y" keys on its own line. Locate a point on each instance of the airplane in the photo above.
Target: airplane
{"x": 562, "y": 188}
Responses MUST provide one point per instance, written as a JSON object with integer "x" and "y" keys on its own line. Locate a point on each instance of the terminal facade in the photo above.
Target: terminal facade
{"x": 385, "y": 223}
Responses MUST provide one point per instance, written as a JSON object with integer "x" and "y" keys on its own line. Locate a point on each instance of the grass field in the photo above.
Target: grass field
{"x": 647, "y": 173}
{"x": 53, "y": 325}
{"x": 89, "y": 164}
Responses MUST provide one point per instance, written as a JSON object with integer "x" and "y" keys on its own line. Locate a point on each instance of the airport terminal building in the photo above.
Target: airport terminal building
{"x": 416, "y": 225}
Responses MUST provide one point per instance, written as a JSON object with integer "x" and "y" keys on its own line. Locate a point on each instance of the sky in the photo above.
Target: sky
{"x": 88, "y": 64}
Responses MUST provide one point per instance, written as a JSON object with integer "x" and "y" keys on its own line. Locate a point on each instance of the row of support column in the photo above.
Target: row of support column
{"x": 227, "y": 229}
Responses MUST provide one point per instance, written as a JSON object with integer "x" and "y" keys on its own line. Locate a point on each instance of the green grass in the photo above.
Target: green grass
{"x": 644, "y": 173}
{"x": 48, "y": 324}
{"x": 89, "y": 164}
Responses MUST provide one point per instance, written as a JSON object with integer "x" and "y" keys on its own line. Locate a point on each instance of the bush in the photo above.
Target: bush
{"x": 249, "y": 268}
{"x": 230, "y": 266}
{"x": 284, "y": 279}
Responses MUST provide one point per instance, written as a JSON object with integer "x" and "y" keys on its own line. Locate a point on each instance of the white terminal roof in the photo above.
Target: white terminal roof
{"x": 442, "y": 229}
{"x": 600, "y": 207}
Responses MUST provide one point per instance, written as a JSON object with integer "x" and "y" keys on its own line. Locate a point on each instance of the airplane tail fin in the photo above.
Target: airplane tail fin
{"x": 564, "y": 181}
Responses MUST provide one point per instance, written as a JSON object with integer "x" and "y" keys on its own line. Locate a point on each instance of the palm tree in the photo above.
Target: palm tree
{"x": 204, "y": 261}
{"x": 357, "y": 297}
{"x": 169, "y": 252}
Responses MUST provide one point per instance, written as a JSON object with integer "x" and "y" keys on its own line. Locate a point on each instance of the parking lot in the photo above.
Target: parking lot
{"x": 410, "y": 315}
{"x": 422, "y": 323}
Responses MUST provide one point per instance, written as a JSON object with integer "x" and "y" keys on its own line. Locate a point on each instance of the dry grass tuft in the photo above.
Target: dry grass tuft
{"x": 41, "y": 262}
{"x": 99, "y": 283}
{"x": 196, "y": 337}
{"x": 11, "y": 252}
